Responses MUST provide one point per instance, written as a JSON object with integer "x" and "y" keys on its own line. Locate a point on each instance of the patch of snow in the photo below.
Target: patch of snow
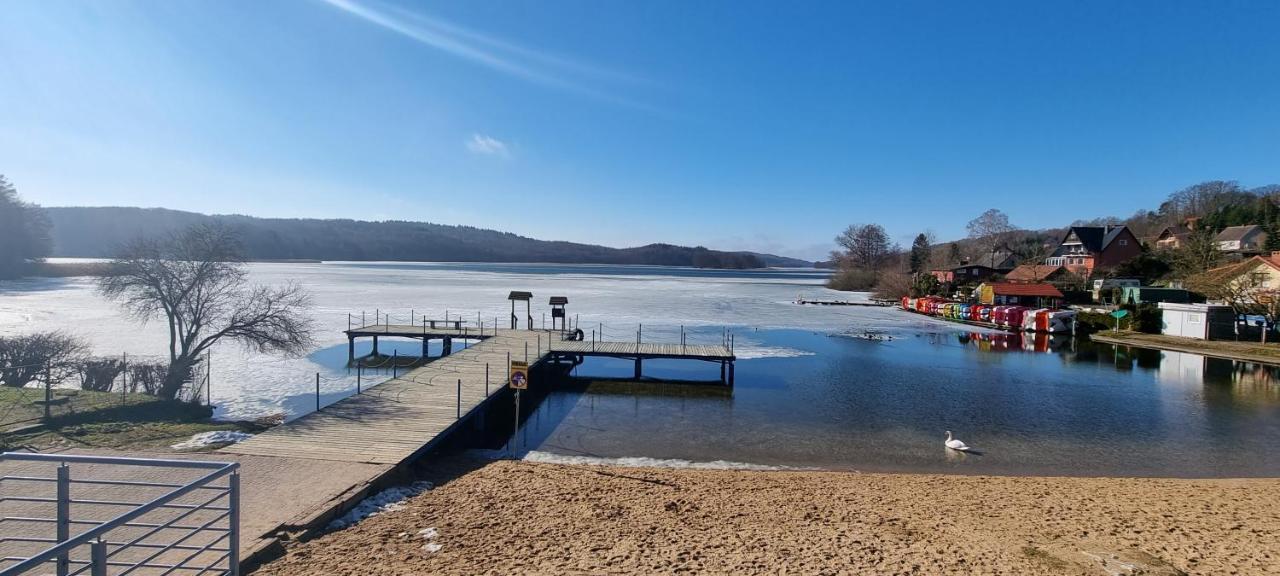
{"x": 429, "y": 533}
{"x": 432, "y": 547}
{"x": 389, "y": 500}
{"x": 642, "y": 462}
{"x": 211, "y": 438}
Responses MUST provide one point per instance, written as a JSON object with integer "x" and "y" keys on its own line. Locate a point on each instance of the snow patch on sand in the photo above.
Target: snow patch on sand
{"x": 212, "y": 438}
{"x": 642, "y": 462}
{"x": 389, "y": 500}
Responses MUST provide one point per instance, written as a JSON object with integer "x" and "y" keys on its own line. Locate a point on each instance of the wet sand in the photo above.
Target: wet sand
{"x": 521, "y": 517}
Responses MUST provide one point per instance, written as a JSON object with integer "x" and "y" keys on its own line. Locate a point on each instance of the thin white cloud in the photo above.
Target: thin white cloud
{"x": 506, "y": 57}
{"x": 488, "y": 146}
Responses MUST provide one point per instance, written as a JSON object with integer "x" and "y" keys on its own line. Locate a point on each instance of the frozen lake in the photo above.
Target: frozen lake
{"x": 807, "y": 395}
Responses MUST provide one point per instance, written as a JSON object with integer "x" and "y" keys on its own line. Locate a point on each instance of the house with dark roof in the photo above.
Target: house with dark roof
{"x": 1088, "y": 248}
{"x": 1247, "y": 239}
{"x": 964, "y": 274}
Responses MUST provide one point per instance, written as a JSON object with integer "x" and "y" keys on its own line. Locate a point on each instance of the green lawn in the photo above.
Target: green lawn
{"x": 83, "y": 419}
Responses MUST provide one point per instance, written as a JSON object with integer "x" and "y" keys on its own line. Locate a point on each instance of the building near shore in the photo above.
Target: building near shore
{"x": 1007, "y": 293}
{"x": 1199, "y": 321}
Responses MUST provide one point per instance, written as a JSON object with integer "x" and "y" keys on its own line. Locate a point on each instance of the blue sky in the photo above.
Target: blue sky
{"x": 735, "y": 125}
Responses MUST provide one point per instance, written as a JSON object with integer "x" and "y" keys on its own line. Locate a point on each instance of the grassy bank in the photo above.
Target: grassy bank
{"x": 86, "y": 419}
{"x": 1246, "y": 351}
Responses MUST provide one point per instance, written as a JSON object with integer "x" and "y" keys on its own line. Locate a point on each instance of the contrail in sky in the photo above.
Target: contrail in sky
{"x": 519, "y": 61}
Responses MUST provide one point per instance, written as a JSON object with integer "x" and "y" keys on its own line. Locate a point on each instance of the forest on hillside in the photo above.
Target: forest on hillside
{"x": 95, "y": 232}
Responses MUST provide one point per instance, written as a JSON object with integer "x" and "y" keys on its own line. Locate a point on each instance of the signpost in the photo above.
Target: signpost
{"x": 1118, "y": 314}
{"x": 519, "y": 380}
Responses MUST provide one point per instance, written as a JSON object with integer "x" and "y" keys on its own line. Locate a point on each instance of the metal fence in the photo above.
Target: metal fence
{"x": 97, "y": 515}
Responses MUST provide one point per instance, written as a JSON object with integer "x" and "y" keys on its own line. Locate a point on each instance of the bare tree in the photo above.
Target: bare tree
{"x": 1199, "y": 253}
{"x": 866, "y": 245}
{"x": 197, "y": 281}
{"x": 991, "y": 231}
{"x": 1241, "y": 287}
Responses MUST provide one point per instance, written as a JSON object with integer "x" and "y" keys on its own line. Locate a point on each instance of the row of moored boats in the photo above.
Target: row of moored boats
{"x": 1019, "y": 318}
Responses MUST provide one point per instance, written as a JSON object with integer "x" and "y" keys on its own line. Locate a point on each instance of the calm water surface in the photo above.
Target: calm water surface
{"x": 1049, "y": 408}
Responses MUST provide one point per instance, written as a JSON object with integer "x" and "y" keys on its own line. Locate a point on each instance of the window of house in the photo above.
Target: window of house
{"x": 1124, "y": 242}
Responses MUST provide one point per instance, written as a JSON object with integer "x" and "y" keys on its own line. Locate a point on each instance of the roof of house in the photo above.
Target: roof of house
{"x": 1226, "y": 273}
{"x": 1032, "y": 272}
{"x": 1237, "y": 233}
{"x": 1007, "y": 289}
{"x": 1095, "y": 239}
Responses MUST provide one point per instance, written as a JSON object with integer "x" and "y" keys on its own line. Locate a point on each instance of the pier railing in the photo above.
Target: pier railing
{"x": 96, "y": 515}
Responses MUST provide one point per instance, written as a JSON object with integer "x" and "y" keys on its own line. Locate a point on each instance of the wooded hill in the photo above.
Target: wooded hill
{"x": 95, "y": 232}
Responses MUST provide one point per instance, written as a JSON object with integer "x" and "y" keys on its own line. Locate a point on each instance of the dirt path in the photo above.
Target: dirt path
{"x": 512, "y": 517}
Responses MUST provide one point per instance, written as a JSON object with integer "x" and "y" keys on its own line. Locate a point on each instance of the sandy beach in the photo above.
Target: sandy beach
{"x": 521, "y": 517}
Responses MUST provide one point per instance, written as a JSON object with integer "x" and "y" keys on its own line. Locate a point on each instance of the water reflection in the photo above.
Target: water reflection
{"x": 1034, "y": 404}
{"x": 1235, "y": 381}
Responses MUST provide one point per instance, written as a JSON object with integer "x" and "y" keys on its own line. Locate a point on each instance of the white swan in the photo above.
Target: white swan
{"x": 955, "y": 444}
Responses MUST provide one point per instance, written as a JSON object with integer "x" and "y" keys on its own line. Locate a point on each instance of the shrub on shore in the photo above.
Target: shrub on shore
{"x": 853, "y": 280}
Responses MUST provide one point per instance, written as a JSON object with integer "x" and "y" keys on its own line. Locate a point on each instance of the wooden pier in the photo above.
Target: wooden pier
{"x": 403, "y": 417}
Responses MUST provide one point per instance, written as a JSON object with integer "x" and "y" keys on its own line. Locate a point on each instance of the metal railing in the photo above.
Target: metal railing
{"x": 167, "y": 527}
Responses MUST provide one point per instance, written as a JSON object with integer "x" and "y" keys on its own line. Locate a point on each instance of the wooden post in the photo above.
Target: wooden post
{"x": 317, "y": 391}
{"x": 351, "y": 349}
{"x": 731, "y": 373}
{"x": 208, "y": 380}
{"x": 459, "y": 399}
{"x": 486, "y": 379}
{"x": 375, "y": 345}
{"x": 124, "y": 379}
{"x": 48, "y": 391}
{"x": 395, "y": 363}
{"x": 359, "y": 375}
{"x": 722, "y": 378}
{"x": 637, "y": 367}
{"x": 425, "y": 352}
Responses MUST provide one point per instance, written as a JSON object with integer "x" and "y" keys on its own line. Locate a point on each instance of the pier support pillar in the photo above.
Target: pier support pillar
{"x": 425, "y": 341}
{"x": 722, "y": 380}
{"x": 448, "y": 346}
{"x": 351, "y": 349}
{"x": 375, "y": 345}
{"x": 731, "y": 373}
{"x": 637, "y": 368}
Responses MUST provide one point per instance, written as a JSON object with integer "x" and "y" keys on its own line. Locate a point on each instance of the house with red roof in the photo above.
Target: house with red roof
{"x": 1019, "y": 294}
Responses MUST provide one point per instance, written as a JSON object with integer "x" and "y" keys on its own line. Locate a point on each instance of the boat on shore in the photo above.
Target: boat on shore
{"x": 1013, "y": 318}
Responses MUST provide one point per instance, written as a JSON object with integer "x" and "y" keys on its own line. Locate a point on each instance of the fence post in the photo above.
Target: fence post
{"x": 359, "y": 373}
{"x": 124, "y": 380}
{"x": 48, "y": 391}
{"x": 486, "y": 379}
{"x": 459, "y": 398}
{"x": 208, "y": 380}
{"x": 395, "y": 363}
{"x": 317, "y": 391}
{"x": 98, "y": 558}
{"x": 233, "y": 519}
{"x": 64, "y": 515}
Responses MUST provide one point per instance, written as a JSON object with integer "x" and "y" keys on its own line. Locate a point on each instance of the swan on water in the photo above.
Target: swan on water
{"x": 955, "y": 444}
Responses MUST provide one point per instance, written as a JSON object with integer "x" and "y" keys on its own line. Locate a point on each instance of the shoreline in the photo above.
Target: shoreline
{"x": 1227, "y": 350}
{"x": 522, "y": 517}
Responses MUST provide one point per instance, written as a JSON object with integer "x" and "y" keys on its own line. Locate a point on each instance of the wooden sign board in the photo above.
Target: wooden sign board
{"x": 519, "y": 375}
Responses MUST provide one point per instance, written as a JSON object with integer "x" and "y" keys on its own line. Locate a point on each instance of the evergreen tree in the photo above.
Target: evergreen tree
{"x": 920, "y": 252}
{"x": 24, "y": 232}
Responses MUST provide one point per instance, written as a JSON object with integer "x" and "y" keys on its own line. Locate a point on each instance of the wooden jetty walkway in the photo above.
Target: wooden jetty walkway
{"x": 400, "y": 419}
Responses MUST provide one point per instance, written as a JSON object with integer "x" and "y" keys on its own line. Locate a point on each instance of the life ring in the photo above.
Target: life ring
{"x": 578, "y": 335}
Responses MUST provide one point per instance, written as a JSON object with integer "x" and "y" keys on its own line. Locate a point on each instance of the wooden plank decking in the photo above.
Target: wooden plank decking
{"x": 643, "y": 350}
{"x": 398, "y": 419}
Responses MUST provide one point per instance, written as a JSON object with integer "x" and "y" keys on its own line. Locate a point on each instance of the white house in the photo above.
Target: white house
{"x": 1199, "y": 321}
